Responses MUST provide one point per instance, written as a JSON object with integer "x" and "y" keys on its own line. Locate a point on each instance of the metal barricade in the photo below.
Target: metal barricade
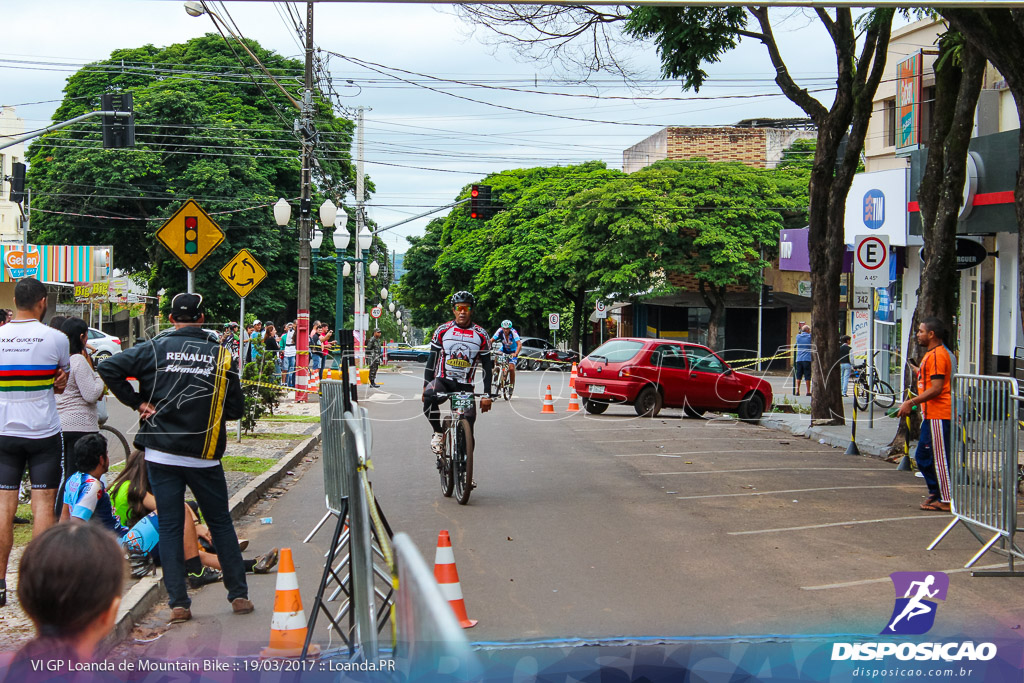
{"x": 430, "y": 641}
{"x": 983, "y": 465}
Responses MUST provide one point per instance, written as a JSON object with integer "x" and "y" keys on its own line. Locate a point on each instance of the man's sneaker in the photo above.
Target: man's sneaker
{"x": 207, "y": 575}
{"x": 265, "y": 562}
{"x": 141, "y": 564}
{"x": 179, "y": 615}
{"x": 437, "y": 443}
{"x": 242, "y": 606}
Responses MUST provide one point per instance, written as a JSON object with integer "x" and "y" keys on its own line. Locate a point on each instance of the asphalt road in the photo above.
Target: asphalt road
{"x": 614, "y": 525}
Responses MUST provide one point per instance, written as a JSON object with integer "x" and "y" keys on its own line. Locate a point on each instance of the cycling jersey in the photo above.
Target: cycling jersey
{"x": 30, "y": 355}
{"x": 458, "y": 350}
{"x": 510, "y": 343}
{"x": 87, "y": 498}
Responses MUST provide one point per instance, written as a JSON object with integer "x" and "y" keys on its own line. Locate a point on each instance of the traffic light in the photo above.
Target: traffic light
{"x": 767, "y": 294}
{"x": 480, "y": 202}
{"x": 191, "y": 235}
{"x": 17, "y": 182}
{"x": 118, "y": 132}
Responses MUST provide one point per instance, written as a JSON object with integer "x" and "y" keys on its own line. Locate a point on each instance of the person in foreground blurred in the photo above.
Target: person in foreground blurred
{"x": 85, "y": 563}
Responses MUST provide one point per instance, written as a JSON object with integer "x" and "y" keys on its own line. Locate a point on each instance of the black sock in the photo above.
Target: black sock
{"x": 193, "y": 565}
{"x": 250, "y": 566}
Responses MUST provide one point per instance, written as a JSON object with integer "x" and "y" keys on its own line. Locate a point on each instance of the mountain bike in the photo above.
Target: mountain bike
{"x": 504, "y": 383}
{"x": 455, "y": 464}
{"x": 863, "y": 393}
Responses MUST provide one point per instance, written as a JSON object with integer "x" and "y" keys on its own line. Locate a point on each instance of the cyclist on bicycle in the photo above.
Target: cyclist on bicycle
{"x": 507, "y": 341}
{"x": 455, "y": 349}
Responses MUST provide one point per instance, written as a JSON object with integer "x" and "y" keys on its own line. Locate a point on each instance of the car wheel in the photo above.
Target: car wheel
{"x": 101, "y": 355}
{"x": 751, "y": 408}
{"x": 533, "y": 364}
{"x": 695, "y": 413}
{"x": 648, "y": 402}
{"x": 593, "y": 407}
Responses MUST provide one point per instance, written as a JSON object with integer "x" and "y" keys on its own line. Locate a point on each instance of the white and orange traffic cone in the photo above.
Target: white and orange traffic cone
{"x": 288, "y": 625}
{"x": 448, "y": 579}
{"x": 549, "y": 403}
{"x": 572, "y": 377}
{"x": 574, "y": 403}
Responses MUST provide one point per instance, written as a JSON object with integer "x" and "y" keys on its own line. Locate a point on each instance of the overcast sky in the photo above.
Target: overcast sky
{"x": 452, "y": 141}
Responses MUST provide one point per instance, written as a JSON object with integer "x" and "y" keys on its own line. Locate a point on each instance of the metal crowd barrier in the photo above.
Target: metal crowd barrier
{"x": 983, "y": 465}
{"x": 430, "y": 641}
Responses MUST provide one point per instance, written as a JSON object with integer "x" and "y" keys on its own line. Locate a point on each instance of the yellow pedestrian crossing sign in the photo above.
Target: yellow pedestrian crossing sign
{"x": 190, "y": 234}
{"x": 243, "y": 273}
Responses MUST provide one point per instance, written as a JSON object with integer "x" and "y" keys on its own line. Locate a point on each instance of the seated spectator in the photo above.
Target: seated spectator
{"x": 133, "y": 501}
{"x": 85, "y": 562}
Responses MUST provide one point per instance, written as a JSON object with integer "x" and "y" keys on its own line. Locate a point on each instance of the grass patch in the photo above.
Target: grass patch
{"x": 115, "y": 470}
{"x": 23, "y": 532}
{"x": 271, "y": 436}
{"x": 245, "y": 463}
{"x": 292, "y": 418}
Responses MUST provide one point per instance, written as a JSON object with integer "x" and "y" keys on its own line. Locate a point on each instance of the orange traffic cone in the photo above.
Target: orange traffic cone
{"x": 574, "y": 403}
{"x": 572, "y": 377}
{"x": 448, "y": 579}
{"x": 288, "y": 625}
{"x": 549, "y": 403}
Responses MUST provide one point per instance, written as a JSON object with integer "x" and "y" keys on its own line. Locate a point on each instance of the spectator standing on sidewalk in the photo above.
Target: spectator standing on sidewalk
{"x": 34, "y": 362}
{"x": 374, "y": 352}
{"x": 802, "y": 367}
{"x": 934, "y": 384}
{"x": 288, "y": 342}
{"x": 845, "y": 362}
{"x": 185, "y": 381}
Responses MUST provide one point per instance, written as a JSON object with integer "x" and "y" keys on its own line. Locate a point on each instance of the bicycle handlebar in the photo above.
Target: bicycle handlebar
{"x": 446, "y": 396}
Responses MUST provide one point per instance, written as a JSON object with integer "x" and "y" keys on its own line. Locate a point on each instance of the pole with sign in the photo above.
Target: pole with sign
{"x": 871, "y": 269}
{"x": 242, "y": 273}
{"x": 190, "y": 234}
{"x": 553, "y": 321}
{"x": 601, "y": 313}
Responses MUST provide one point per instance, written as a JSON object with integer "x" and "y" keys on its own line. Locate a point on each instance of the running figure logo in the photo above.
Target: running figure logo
{"x": 914, "y": 612}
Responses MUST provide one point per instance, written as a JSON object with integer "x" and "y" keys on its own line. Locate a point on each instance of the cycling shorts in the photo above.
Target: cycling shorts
{"x": 43, "y": 457}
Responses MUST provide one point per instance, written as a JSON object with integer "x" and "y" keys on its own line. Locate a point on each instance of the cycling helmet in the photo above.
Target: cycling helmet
{"x": 463, "y": 297}
{"x": 506, "y": 324}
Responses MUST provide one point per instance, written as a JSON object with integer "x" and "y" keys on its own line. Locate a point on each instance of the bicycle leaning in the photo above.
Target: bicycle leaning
{"x": 878, "y": 390}
{"x": 455, "y": 464}
{"x": 504, "y": 374}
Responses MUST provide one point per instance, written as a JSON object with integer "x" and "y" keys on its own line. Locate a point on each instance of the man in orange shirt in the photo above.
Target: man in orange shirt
{"x": 934, "y": 381}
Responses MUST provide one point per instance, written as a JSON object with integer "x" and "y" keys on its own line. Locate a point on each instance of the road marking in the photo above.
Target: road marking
{"x": 824, "y": 526}
{"x": 864, "y": 582}
{"x": 660, "y": 440}
{"x": 772, "y": 493}
{"x": 771, "y": 469}
{"x": 641, "y": 455}
{"x": 647, "y": 429}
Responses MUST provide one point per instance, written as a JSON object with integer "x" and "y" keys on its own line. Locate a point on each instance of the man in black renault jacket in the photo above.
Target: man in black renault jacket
{"x": 187, "y": 390}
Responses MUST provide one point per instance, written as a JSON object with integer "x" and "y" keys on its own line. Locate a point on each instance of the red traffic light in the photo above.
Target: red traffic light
{"x": 474, "y": 192}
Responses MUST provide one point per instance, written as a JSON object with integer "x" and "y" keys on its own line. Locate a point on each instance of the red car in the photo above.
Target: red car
{"x": 650, "y": 374}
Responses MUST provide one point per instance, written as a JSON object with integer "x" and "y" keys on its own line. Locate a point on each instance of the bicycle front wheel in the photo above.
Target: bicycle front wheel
{"x": 463, "y": 466}
{"x": 861, "y": 395}
{"x": 884, "y": 396}
{"x": 446, "y": 458}
{"x": 506, "y": 386}
{"x": 118, "y": 448}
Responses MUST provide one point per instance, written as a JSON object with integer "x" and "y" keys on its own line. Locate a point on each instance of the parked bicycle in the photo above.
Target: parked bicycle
{"x": 504, "y": 383}
{"x": 455, "y": 464}
{"x": 880, "y": 391}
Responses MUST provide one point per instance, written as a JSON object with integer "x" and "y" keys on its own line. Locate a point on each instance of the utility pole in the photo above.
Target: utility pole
{"x": 360, "y": 298}
{"x": 305, "y": 218}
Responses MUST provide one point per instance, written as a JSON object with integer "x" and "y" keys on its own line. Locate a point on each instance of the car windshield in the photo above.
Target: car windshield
{"x": 617, "y": 350}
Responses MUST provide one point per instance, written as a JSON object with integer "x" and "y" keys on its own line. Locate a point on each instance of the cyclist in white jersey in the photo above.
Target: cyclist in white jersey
{"x": 34, "y": 363}
{"x": 455, "y": 349}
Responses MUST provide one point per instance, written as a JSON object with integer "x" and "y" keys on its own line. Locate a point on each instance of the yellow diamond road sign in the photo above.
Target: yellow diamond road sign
{"x": 190, "y": 234}
{"x": 243, "y": 273}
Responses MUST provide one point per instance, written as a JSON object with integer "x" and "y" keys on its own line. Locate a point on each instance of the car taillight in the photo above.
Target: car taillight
{"x": 624, "y": 372}
{"x": 116, "y": 340}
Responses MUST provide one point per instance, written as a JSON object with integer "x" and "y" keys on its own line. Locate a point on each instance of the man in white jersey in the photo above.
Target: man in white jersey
{"x": 455, "y": 349}
{"x": 34, "y": 363}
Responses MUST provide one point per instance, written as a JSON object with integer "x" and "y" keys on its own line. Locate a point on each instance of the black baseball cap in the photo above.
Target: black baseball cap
{"x": 186, "y": 307}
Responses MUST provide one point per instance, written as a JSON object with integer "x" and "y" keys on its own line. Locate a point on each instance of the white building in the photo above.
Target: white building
{"x": 10, "y": 127}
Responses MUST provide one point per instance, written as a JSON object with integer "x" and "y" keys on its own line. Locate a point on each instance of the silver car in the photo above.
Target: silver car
{"x": 103, "y": 345}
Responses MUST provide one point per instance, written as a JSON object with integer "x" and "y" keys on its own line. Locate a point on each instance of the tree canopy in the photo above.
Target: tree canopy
{"x": 208, "y": 129}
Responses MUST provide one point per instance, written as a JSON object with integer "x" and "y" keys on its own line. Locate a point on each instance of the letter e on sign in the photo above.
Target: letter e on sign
{"x": 871, "y": 261}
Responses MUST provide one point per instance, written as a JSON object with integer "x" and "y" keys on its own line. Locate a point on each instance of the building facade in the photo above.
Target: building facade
{"x": 11, "y": 126}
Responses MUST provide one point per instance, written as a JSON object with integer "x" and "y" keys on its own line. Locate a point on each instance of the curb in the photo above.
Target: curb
{"x": 866, "y": 446}
{"x": 141, "y": 597}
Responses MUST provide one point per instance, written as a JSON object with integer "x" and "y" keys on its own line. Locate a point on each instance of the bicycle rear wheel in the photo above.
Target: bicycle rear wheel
{"x": 118, "y": 448}
{"x": 861, "y": 395}
{"x": 884, "y": 396}
{"x": 463, "y": 465}
{"x": 447, "y": 452}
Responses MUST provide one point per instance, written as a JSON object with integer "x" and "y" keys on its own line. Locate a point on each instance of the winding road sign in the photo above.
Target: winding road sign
{"x": 243, "y": 273}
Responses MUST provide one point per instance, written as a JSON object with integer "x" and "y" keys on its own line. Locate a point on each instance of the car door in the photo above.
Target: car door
{"x": 668, "y": 361}
{"x": 714, "y": 385}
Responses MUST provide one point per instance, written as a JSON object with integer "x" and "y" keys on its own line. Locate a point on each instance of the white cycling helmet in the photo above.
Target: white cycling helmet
{"x": 506, "y": 324}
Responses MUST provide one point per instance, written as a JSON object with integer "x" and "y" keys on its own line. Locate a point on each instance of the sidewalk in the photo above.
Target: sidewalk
{"x": 286, "y": 439}
{"x": 872, "y": 441}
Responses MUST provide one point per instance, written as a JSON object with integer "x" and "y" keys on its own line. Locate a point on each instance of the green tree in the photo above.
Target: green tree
{"x": 204, "y": 130}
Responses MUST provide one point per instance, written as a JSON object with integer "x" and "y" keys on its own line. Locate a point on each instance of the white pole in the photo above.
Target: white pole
{"x": 871, "y": 361}
{"x": 241, "y": 350}
{"x": 191, "y": 284}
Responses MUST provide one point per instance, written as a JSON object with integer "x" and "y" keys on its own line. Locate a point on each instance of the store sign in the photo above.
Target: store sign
{"x": 969, "y": 254}
{"x": 14, "y": 261}
{"x": 908, "y": 103}
{"x": 803, "y": 288}
{"x": 860, "y": 325}
{"x": 877, "y": 202}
